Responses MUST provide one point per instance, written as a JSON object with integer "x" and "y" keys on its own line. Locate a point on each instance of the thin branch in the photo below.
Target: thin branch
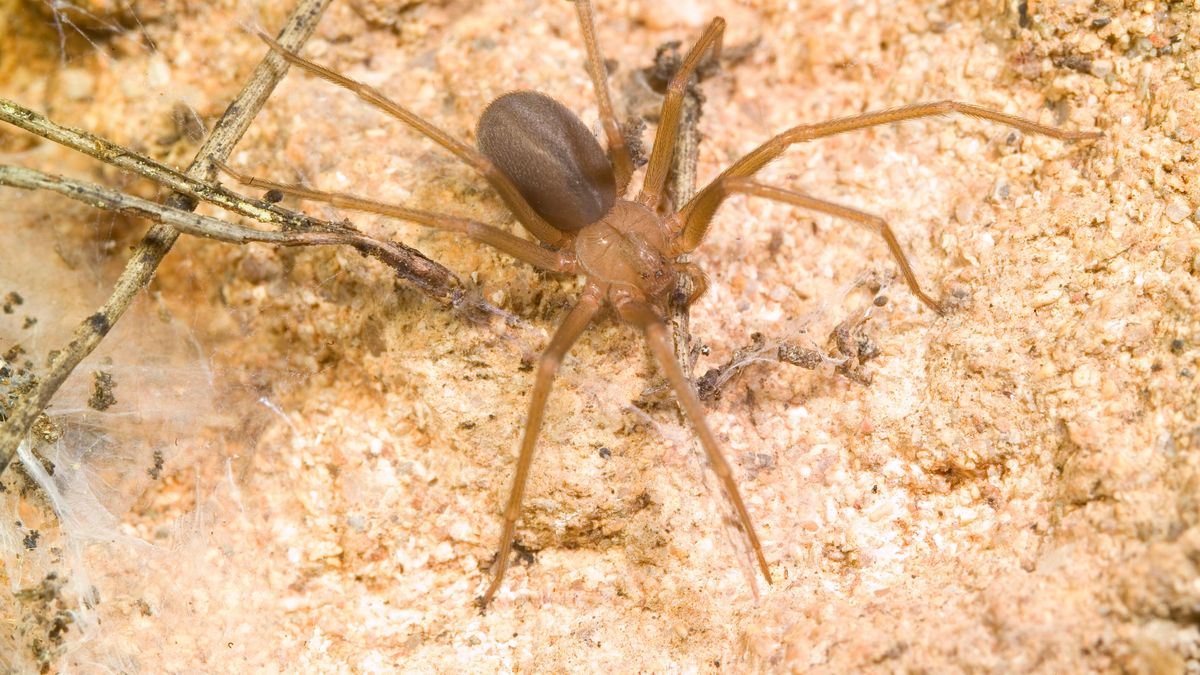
{"x": 197, "y": 225}
{"x": 709, "y": 385}
{"x": 158, "y": 241}
{"x": 681, "y": 186}
{"x": 107, "y": 198}
{"x": 431, "y": 278}
{"x": 124, "y": 158}
{"x": 127, "y": 159}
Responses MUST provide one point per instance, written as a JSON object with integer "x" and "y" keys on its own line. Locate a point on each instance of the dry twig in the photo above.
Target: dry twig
{"x": 431, "y": 278}
{"x": 682, "y": 188}
{"x": 186, "y": 222}
{"x": 158, "y": 241}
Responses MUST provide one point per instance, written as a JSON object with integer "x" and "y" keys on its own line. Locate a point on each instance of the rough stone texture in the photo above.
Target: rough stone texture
{"x": 1015, "y": 491}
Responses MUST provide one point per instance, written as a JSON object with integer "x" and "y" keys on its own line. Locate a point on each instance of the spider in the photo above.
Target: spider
{"x": 571, "y": 195}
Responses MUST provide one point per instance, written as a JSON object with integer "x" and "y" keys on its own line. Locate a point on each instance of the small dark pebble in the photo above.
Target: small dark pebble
{"x": 13, "y": 299}
{"x": 524, "y": 554}
{"x": 880, "y": 300}
{"x": 706, "y": 385}
{"x": 760, "y": 460}
{"x": 1101, "y": 22}
{"x": 45, "y": 429}
{"x": 1177, "y": 346}
{"x": 273, "y": 196}
{"x": 605, "y": 453}
{"x": 1077, "y": 62}
{"x": 102, "y": 391}
{"x": 155, "y": 471}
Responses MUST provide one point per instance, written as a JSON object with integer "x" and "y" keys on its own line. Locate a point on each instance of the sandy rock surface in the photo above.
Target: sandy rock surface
{"x": 305, "y": 462}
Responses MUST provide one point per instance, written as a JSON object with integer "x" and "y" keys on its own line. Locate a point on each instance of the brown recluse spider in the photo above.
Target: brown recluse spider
{"x": 569, "y": 194}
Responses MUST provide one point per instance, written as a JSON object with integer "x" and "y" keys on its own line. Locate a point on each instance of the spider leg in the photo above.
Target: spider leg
{"x": 698, "y": 213}
{"x": 655, "y": 329}
{"x": 508, "y": 191}
{"x": 698, "y": 277}
{"x": 728, "y": 186}
{"x": 622, "y": 163}
{"x": 668, "y": 126}
{"x": 571, "y": 328}
{"x": 525, "y": 251}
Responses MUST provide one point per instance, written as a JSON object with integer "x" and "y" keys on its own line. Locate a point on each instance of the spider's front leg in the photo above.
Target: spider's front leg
{"x": 726, "y": 186}
{"x": 646, "y": 318}
{"x": 672, "y": 109}
{"x": 570, "y": 330}
{"x": 697, "y": 215}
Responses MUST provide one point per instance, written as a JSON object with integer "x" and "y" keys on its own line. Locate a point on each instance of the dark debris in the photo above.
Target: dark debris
{"x": 102, "y": 391}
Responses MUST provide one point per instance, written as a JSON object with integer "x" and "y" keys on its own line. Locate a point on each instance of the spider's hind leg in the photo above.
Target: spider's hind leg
{"x": 525, "y": 251}
{"x": 621, "y": 158}
{"x": 529, "y": 218}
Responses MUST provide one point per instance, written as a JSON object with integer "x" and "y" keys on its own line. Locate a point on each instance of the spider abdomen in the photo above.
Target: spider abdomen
{"x": 555, "y": 162}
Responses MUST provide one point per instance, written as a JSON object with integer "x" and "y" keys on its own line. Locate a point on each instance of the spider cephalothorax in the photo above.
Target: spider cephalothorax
{"x": 570, "y": 195}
